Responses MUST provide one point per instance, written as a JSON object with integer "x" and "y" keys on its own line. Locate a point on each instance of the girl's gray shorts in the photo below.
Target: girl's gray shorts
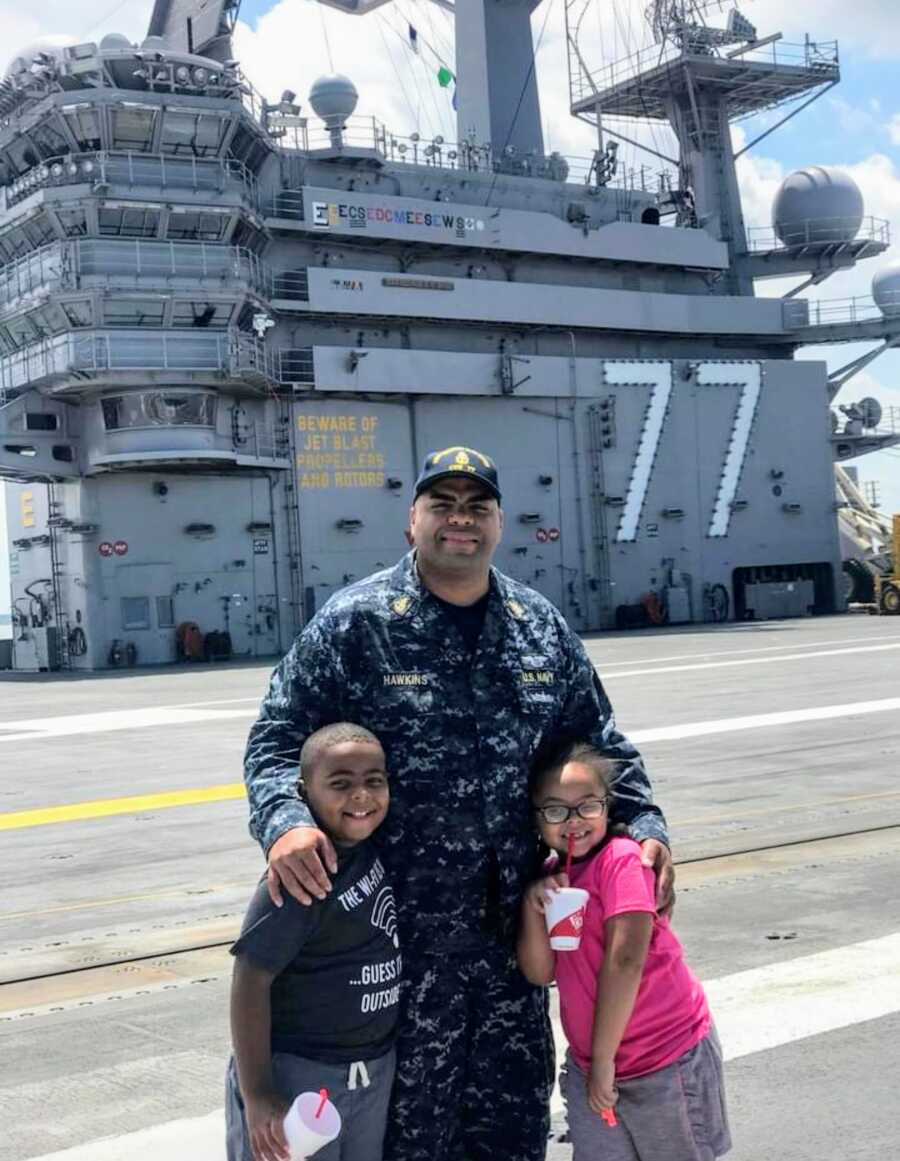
{"x": 363, "y": 1106}
{"x": 675, "y": 1114}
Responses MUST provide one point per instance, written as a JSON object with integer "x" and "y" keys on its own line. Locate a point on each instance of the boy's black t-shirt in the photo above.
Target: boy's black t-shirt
{"x": 336, "y": 993}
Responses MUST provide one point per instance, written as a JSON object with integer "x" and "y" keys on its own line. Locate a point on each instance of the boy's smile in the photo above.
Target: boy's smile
{"x": 347, "y": 790}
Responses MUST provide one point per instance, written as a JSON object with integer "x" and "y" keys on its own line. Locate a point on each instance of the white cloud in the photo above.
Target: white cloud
{"x": 22, "y": 24}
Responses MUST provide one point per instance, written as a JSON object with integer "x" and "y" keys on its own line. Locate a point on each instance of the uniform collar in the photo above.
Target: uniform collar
{"x": 407, "y": 586}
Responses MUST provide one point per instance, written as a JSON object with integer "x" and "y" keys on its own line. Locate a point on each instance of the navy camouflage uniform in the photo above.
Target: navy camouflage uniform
{"x": 475, "y": 1053}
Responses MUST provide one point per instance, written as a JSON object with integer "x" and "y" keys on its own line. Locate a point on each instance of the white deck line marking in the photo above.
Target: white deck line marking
{"x": 606, "y": 664}
{"x": 755, "y": 1011}
{"x": 43, "y": 729}
{"x": 746, "y": 661}
{"x": 39, "y": 729}
{"x": 758, "y": 721}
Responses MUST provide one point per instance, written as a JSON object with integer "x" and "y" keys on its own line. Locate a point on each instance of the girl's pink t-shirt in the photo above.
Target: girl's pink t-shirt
{"x": 670, "y": 1013}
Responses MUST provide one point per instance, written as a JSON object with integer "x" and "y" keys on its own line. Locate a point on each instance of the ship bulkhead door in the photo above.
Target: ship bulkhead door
{"x": 141, "y": 612}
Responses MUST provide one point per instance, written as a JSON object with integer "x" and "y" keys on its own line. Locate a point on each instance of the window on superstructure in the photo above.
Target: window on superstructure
{"x": 134, "y": 312}
{"x": 135, "y": 613}
{"x": 84, "y": 125}
{"x": 197, "y": 226}
{"x": 249, "y": 237}
{"x": 73, "y": 222}
{"x": 49, "y": 140}
{"x": 159, "y": 409}
{"x": 38, "y": 232}
{"x": 21, "y": 155}
{"x": 247, "y": 147}
{"x": 49, "y": 319}
{"x": 128, "y": 222}
{"x": 21, "y": 331}
{"x": 79, "y": 312}
{"x": 165, "y": 613}
{"x": 192, "y": 134}
{"x": 201, "y": 314}
{"x": 133, "y": 128}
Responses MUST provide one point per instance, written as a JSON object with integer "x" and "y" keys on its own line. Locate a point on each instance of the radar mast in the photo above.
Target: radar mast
{"x": 697, "y": 77}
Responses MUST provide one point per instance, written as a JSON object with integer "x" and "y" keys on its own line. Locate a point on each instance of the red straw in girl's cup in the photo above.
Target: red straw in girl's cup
{"x": 565, "y": 911}
{"x": 312, "y": 1123}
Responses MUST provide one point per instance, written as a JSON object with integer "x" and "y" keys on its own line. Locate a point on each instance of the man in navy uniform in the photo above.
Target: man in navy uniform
{"x": 461, "y": 672}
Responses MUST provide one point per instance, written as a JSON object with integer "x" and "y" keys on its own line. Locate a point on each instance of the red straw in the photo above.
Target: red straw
{"x": 323, "y": 1093}
{"x": 569, "y": 845}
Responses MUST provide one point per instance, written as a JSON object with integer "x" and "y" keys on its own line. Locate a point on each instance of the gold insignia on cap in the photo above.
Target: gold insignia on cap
{"x": 517, "y": 610}
{"x": 463, "y": 455}
{"x": 401, "y": 605}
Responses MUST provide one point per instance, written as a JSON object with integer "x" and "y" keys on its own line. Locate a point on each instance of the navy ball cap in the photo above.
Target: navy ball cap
{"x": 459, "y": 461}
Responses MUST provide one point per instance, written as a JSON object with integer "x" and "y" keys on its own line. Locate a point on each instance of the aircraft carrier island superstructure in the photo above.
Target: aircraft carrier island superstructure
{"x": 230, "y": 330}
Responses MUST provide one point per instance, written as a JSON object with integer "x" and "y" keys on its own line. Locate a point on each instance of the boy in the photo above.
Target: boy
{"x": 315, "y": 991}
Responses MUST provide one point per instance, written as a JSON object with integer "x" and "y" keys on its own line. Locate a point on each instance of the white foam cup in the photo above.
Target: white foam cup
{"x": 306, "y": 1133}
{"x": 565, "y": 913}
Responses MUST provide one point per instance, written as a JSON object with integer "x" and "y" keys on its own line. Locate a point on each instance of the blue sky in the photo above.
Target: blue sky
{"x": 856, "y": 126}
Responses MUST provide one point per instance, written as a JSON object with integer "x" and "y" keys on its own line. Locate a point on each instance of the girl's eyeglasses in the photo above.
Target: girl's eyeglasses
{"x": 557, "y": 813}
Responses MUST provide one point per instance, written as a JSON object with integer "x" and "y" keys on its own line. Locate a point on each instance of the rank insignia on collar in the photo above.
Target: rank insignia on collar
{"x": 401, "y": 605}
{"x": 516, "y": 609}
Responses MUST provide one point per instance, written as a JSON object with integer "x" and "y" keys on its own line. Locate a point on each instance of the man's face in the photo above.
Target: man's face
{"x": 456, "y": 525}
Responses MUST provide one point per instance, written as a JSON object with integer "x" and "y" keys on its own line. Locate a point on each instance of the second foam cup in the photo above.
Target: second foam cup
{"x": 311, "y": 1124}
{"x": 565, "y": 913}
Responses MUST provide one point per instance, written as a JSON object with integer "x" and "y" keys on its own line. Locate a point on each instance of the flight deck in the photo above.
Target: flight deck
{"x": 773, "y": 748}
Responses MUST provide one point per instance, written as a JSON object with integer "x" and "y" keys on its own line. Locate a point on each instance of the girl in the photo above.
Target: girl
{"x": 640, "y": 1037}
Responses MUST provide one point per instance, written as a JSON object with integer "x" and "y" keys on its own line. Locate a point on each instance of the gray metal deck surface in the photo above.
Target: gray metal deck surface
{"x": 126, "y": 1031}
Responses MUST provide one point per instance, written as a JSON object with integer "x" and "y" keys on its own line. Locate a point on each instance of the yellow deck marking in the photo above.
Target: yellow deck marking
{"x": 104, "y": 807}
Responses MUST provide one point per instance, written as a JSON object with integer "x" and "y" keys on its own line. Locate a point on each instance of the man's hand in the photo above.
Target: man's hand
{"x": 265, "y": 1124}
{"x": 295, "y": 863}
{"x": 658, "y": 856}
{"x": 602, "y": 1091}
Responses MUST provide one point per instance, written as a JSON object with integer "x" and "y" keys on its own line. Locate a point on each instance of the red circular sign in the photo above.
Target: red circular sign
{"x": 553, "y": 534}
{"x": 120, "y": 548}
{"x": 105, "y": 548}
{"x": 541, "y": 535}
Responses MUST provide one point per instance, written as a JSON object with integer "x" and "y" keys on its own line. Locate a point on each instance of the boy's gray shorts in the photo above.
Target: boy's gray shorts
{"x": 675, "y": 1114}
{"x": 363, "y": 1108}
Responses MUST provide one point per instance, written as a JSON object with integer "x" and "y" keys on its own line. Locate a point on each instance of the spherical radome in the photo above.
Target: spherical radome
{"x": 116, "y": 42}
{"x": 886, "y": 290}
{"x": 817, "y": 204}
{"x": 333, "y": 98}
{"x": 22, "y": 60}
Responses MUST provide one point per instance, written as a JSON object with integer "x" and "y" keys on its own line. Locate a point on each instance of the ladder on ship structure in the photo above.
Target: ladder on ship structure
{"x": 299, "y": 613}
{"x": 55, "y": 522}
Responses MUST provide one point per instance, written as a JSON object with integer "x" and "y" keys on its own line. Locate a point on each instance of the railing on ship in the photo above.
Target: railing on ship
{"x": 159, "y": 171}
{"x": 63, "y": 265}
{"x": 369, "y": 133}
{"x": 803, "y": 312}
{"x": 815, "y": 56}
{"x": 830, "y": 232}
{"x": 87, "y": 353}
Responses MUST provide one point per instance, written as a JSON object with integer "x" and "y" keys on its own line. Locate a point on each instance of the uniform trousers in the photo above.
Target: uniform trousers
{"x": 475, "y": 1060}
